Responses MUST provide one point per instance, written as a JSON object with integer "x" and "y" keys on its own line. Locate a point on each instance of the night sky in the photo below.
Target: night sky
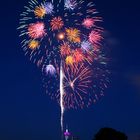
{"x": 27, "y": 113}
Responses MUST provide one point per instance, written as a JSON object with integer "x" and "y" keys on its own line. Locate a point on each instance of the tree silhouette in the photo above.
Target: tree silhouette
{"x": 109, "y": 134}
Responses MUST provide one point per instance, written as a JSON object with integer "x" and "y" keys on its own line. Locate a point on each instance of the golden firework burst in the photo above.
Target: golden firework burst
{"x": 40, "y": 11}
{"x": 73, "y": 35}
{"x": 69, "y": 60}
{"x": 33, "y": 44}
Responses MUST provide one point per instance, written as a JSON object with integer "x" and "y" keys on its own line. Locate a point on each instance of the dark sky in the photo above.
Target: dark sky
{"x": 26, "y": 113}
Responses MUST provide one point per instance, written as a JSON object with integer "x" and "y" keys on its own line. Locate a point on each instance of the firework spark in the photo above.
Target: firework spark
{"x": 49, "y": 7}
{"x": 69, "y": 60}
{"x": 65, "y": 50}
{"x": 70, "y": 4}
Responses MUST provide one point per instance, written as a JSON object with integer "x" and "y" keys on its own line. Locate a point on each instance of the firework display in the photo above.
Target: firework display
{"x": 65, "y": 37}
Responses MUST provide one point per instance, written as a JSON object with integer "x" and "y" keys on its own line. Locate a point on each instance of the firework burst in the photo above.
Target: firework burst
{"x": 76, "y": 81}
{"x": 50, "y": 69}
{"x": 73, "y": 35}
{"x": 86, "y": 46}
{"x": 88, "y": 22}
{"x": 95, "y": 37}
{"x": 67, "y": 45}
{"x": 78, "y": 56}
{"x": 36, "y": 30}
{"x": 33, "y": 44}
{"x": 40, "y": 11}
{"x": 57, "y": 23}
{"x": 70, "y": 40}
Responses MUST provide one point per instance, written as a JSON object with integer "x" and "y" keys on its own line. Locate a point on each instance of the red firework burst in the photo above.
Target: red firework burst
{"x": 57, "y": 23}
{"x": 76, "y": 81}
{"x": 65, "y": 50}
{"x": 95, "y": 37}
{"x": 78, "y": 56}
{"x": 36, "y": 30}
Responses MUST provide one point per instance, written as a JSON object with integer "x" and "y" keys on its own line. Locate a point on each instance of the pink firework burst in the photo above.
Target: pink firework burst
{"x": 95, "y": 37}
{"x": 88, "y": 22}
{"x": 36, "y": 30}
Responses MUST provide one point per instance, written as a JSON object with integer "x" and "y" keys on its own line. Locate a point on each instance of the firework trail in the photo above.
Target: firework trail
{"x": 65, "y": 40}
{"x": 61, "y": 96}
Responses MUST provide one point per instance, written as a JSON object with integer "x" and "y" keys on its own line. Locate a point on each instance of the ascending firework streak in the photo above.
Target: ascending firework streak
{"x": 61, "y": 96}
{"x": 66, "y": 44}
